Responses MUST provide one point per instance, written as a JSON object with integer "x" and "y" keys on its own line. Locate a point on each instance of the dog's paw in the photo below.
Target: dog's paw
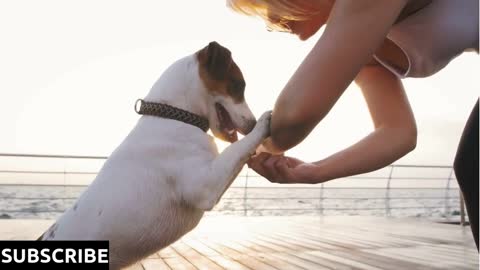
{"x": 263, "y": 124}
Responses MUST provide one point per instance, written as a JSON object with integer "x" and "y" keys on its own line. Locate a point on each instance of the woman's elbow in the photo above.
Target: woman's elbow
{"x": 411, "y": 142}
{"x": 281, "y": 140}
{"x": 408, "y": 139}
{"x": 286, "y": 136}
{"x": 413, "y": 139}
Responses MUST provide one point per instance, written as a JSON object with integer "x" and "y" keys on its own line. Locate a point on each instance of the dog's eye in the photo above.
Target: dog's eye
{"x": 237, "y": 85}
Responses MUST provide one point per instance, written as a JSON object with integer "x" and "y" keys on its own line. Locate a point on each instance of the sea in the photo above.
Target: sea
{"x": 36, "y": 190}
{"x": 49, "y": 202}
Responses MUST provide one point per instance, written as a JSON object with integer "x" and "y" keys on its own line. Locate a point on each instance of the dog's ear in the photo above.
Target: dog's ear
{"x": 216, "y": 60}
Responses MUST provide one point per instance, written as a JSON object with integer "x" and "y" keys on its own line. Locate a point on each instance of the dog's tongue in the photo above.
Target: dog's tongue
{"x": 227, "y": 126}
{"x": 231, "y": 135}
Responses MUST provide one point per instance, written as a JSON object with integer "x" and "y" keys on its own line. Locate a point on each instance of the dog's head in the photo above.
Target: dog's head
{"x": 225, "y": 86}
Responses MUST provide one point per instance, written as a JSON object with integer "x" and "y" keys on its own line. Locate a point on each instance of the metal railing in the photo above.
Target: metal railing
{"x": 245, "y": 198}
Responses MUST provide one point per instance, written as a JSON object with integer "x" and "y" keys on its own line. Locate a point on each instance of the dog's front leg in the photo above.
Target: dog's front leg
{"x": 225, "y": 168}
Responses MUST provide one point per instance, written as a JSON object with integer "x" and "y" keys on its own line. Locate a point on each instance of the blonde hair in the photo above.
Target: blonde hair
{"x": 275, "y": 13}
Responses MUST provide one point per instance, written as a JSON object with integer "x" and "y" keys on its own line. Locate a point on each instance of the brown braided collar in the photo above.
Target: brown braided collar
{"x": 170, "y": 112}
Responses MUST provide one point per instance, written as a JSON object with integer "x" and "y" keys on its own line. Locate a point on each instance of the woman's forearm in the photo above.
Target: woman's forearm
{"x": 395, "y": 131}
{"x": 379, "y": 149}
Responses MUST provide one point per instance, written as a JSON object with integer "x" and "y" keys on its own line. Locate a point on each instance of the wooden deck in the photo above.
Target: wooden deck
{"x": 303, "y": 243}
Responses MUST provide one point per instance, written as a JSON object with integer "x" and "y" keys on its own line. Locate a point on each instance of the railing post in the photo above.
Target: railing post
{"x": 64, "y": 183}
{"x": 387, "y": 192}
{"x": 462, "y": 209}
{"x": 245, "y": 188}
{"x": 321, "y": 200}
{"x": 447, "y": 196}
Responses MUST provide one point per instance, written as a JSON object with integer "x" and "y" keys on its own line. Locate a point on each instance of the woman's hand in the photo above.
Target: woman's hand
{"x": 284, "y": 170}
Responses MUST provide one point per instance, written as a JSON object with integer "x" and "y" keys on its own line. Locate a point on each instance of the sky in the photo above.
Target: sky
{"x": 71, "y": 72}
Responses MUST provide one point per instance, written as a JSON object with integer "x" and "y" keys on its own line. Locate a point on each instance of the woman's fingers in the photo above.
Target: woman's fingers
{"x": 257, "y": 160}
{"x": 271, "y": 166}
{"x": 278, "y": 168}
{"x": 282, "y": 167}
{"x": 256, "y": 163}
{"x": 264, "y": 164}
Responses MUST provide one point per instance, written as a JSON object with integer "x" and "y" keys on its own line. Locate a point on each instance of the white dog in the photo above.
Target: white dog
{"x": 157, "y": 184}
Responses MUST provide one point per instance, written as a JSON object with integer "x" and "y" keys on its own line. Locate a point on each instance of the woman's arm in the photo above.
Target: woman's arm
{"x": 355, "y": 29}
{"x": 395, "y": 131}
{"x": 394, "y": 136}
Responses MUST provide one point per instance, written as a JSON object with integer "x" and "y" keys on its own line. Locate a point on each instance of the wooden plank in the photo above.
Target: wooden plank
{"x": 261, "y": 246}
{"x": 290, "y": 245}
{"x": 225, "y": 262}
{"x": 282, "y": 260}
{"x": 294, "y": 259}
{"x": 155, "y": 264}
{"x": 137, "y": 266}
{"x": 343, "y": 260}
{"x": 376, "y": 260}
{"x": 366, "y": 239}
{"x": 154, "y": 256}
{"x": 433, "y": 254}
{"x": 457, "y": 252}
{"x": 332, "y": 243}
{"x": 167, "y": 252}
{"x": 267, "y": 257}
{"x": 246, "y": 260}
{"x": 325, "y": 262}
{"x": 346, "y": 237}
{"x": 400, "y": 256}
{"x": 179, "y": 263}
{"x": 279, "y": 262}
{"x": 317, "y": 243}
{"x": 192, "y": 256}
{"x": 415, "y": 254}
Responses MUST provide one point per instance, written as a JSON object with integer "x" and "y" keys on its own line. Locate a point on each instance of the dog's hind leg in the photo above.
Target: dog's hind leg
{"x": 225, "y": 168}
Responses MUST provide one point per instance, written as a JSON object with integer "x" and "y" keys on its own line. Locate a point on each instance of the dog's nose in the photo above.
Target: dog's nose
{"x": 248, "y": 126}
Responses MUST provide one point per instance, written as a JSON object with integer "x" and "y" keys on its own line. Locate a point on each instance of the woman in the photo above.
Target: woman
{"x": 374, "y": 43}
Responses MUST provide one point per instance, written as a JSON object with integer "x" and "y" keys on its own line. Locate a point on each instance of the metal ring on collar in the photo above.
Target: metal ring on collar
{"x": 136, "y": 107}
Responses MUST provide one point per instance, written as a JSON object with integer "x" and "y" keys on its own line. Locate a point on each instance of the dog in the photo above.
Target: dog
{"x": 157, "y": 184}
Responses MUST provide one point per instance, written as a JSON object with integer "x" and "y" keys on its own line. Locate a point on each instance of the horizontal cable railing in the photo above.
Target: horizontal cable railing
{"x": 246, "y": 198}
